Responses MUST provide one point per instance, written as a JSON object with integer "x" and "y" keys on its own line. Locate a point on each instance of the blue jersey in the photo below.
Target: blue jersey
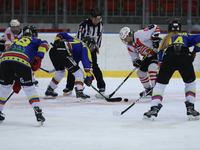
{"x": 184, "y": 39}
{"x": 24, "y": 49}
{"x": 77, "y": 49}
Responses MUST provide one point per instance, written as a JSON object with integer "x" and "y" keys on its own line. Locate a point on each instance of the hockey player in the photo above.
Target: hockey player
{"x": 174, "y": 55}
{"x": 143, "y": 42}
{"x": 25, "y": 55}
{"x": 67, "y": 55}
{"x": 13, "y": 32}
{"x": 92, "y": 27}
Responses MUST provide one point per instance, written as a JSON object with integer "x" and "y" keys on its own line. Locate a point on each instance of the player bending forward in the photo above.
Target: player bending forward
{"x": 67, "y": 55}
{"x": 142, "y": 42}
{"x": 174, "y": 54}
{"x": 25, "y": 55}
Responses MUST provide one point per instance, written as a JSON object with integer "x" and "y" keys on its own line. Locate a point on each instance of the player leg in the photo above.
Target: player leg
{"x": 58, "y": 59}
{"x": 25, "y": 81}
{"x": 144, "y": 79}
{"x": 187, "y": 72}
{"x": 152, "y": 70}
{"x": 166, "y": 71}
{"x": 98, "y": 75}
{"x": 6, "y": 81}
{"x": 70, "y": 85}
{"x": 50, "y": 93}
{"x": 79, "y": 80}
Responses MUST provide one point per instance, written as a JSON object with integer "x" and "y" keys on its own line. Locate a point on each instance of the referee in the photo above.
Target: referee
{"x": 92, "y": 27}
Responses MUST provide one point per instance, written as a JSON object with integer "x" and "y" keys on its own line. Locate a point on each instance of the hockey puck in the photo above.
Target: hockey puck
{"x": 126, "y": 99}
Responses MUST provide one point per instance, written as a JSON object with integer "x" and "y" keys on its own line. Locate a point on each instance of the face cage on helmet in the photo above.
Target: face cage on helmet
{"x": 128, "y": 36}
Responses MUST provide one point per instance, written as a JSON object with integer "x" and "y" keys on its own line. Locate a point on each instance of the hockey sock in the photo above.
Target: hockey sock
{"x": 79, "y": 79}
{"x": 57, "y": 78}
{"x": 190, "y": 92}
{"x": 152, "y": 70}
{"x": 157, "y": 94}
{"x": 144, "y": 78}
{"x": 4, "y": 92}
{"x": 32, "y": 95}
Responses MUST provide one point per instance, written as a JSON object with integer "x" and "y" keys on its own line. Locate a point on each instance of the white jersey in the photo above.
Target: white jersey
{"x": 9, "y": 37}
{"x": 143, "y": 43}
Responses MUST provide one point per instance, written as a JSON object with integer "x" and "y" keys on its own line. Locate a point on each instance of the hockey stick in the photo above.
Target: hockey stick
{"x": 48, "y": 71}
{"x": 10, "y": 95}
{"x": 122, "y": 83}
{"x": 129, "y": 74}
{"x": 118, "y": 99}
{"x": 117, "y": 113}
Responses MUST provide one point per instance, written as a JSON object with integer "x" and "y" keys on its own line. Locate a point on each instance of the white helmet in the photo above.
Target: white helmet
{"x": 15, "y": 23}
{"x": 124, "y": 33}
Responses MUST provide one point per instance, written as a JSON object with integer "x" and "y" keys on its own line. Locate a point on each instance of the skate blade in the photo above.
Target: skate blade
{"x": 67, "y": 93}
{"x": 80, "y": 100}
{"x": 49, "y": 97}
{"x": 193, "y": 118}
{"x": 1, "y": 122}
{"x": 152, "y": 118}
{"x": 98, "y": 96}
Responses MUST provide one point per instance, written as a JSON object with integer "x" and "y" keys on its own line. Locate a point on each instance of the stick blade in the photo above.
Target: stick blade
{"x": 116, "y": 113}
{"x": 117, "y": 99}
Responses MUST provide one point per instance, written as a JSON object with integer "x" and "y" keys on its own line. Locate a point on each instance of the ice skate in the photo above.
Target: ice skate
{"x": 191, "y": 112}
{"x": 147, "y": 92}
{"x": 153, "y": 113}
{"x": 50, "y": 94}
{"x": 99, "y": 96}
{"x": 39, "y": 116}
{"x": 67, "y": 92}
{"x": 1, "y": 117}
{"x": 81, "y": 97}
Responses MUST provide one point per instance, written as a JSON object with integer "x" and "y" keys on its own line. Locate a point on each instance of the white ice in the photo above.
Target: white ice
{"x": 92, "y": 126}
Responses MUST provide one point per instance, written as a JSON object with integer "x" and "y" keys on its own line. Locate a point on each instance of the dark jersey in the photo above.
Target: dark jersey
{"x": 77, "y": 49}
{"x": 184, "y": 39}
{"x": 24, "y": 49}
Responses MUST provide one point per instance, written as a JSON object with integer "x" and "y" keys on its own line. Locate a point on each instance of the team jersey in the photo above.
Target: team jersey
{"x": 184, "y": 39}
{"x": 142, "y": 43}
{"x": 77, "y": 49}
{"x": 24, "y": 49}
{"x": 9, "y": 36}
{"x": 86, "y": 28}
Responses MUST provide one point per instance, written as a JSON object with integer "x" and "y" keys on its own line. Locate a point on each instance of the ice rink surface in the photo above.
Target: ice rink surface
{"x": 92, "y": 126}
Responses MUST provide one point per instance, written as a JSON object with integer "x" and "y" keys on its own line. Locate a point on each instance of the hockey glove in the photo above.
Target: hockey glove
{"x": 36, "y": 63}
{"x": 156, "y": 42}
{"x": 16, "y": 86}
{"x": 137, "y": 63}
{"x": 88, "y": 80}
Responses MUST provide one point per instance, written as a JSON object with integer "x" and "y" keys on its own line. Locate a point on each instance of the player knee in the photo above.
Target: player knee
{"x": 153, "y": 67}
{"x": 141, "y": 74}
{"x": 78, "y": 74}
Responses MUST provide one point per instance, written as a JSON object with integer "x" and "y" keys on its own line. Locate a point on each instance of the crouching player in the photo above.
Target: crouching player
{"x": 25, "y": 55}
{"x": 67, "y": 55}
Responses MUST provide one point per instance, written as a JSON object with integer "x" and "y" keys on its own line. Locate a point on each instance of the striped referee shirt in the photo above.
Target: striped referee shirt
{"x": 86, "y": 28}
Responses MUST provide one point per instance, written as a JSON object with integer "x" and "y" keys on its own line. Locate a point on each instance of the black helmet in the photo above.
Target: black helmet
{"x": 27, "y": 31}
{"x": 89, "y": 41}
{"x": 174, "y": 25}
{"x": 94, "y": 12}
{"x": 34, "y": 31}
